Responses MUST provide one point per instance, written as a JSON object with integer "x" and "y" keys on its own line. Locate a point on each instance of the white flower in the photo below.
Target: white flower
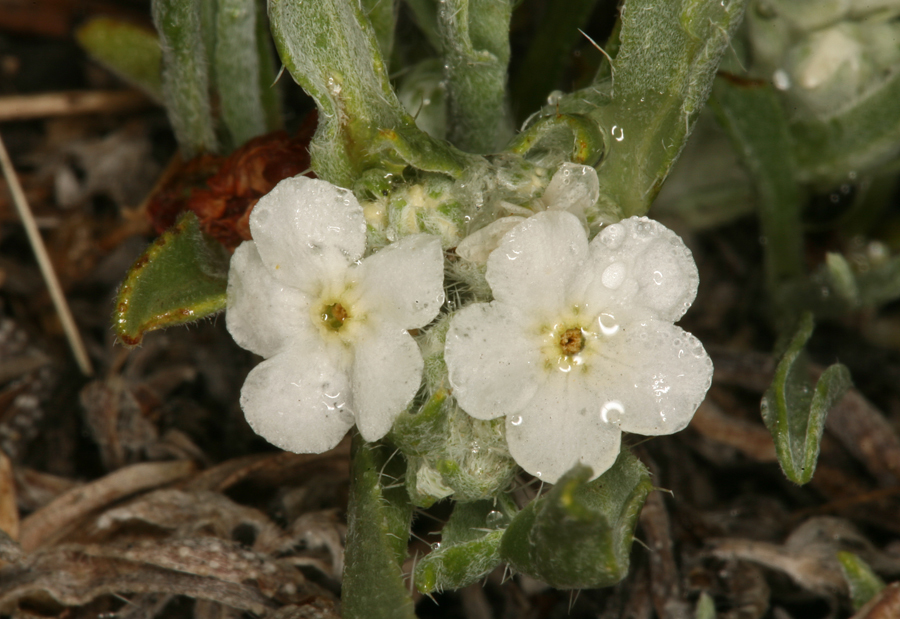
{"x": 333, "y": 329}
{"x": 578, "y": 344}
{"x": 574, "y": 188}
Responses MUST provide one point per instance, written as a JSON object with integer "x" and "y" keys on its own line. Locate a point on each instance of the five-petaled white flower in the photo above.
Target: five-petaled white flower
{"x": 333, "y": 329}
{"x": 578, "y": 344}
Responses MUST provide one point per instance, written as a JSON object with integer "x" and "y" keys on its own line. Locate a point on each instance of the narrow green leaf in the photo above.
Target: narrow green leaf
{"x": 330, "y": 48}
{"x": 863, "y": 582}
{"x": 706, "y": 607}
{"x": 130, "y": 51}
{"x": 181, "y": 278}
{"x": 269, "y": 92}
{"x": 475, "y": 36}
{"x": 237, "y": 66}
{"x": 382, "y": 14}
{"x": 668, "y": 53}
{"x": 378, "y": 520}
{"x": 754, "y": 119}
{"x": 578, "y": 536}
{"x": 185, "y": 79}
{"x": 794, "y": 413}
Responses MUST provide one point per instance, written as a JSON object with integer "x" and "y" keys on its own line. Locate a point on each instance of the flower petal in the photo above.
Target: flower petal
{"x": 308, "y": 230}
{"x": 494, "y": 366}
{"x": 537, "y": 262}
{"x": 639, "y": 263}
{"x": 574, "y": 188}
{"x": 477, "y": 247}
{"x": 299, "y": 400}
{"x": 262, "y": 313}
{"x": 404, "y": 282}
{"x": 654, "y": 376}
{"x": 387, "y": 372}
{"x": 560, "y": 427}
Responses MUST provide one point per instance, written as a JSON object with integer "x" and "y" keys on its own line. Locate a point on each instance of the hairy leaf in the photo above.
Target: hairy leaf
{"x": 378, "y": 519}
{"x": 863, "y": 582}
{"x": 185, "y": 79}
{"x": 579, "y": 535}
{"x": 794, "y": 413}
{"x": 181, "y": 278}
{"x": 128, "y": 50}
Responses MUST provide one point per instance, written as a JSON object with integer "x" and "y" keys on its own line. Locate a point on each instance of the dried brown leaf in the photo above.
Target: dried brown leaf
{"x": 52, "y": 521}
{"x": 9, "y": 510}
{"x": 186, "y": 513}
{"x": 73, "y": 576}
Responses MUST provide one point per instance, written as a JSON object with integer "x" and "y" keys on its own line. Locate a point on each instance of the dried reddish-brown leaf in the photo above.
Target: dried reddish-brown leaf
{"x": 223, "y": 190}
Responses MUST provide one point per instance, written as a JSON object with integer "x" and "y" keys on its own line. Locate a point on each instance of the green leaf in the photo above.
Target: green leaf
{"x": 237, "y": 66}
{"x": 668, "y": 53}
{"x": 706, "y": 607}
{"x": 269, "y": 91}
{"x": 382, "y": 14}
{"x": 330, "y": 48}
{"x": 378, "y": 518}
{"x": 475, "y": 35}
{"x": 865, "y": 136}
{"x": 185, "y": 78}
{"x": 753, "y": 117}
{"x": 578, "y": 536}
{"x": 863, "y": 582}
{"x": 795, "y": 414}
{"x": 128, "y": 50}
{"x": 469, "y": 548}
{"x": 181, "y": 278}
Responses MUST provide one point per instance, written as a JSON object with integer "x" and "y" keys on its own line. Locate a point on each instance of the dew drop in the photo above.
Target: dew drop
{"x": 657, "y": 277}
{"x": 495, "y": 519}
{"x": 613, "y": 236}
{"x": 618, "y": 133}
{"x": 613, "y": 275}
{"x": 781, "y": 80}
{"x": 516, "y": 421}
{"x": 608, "y": 324}
{"x": 611, "y": 412}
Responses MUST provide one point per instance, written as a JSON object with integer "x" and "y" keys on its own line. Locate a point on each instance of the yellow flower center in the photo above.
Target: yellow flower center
{"x": 334, "y": 316}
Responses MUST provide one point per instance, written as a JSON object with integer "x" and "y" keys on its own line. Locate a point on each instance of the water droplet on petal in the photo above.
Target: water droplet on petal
{"x": 613, "y": 275}
{"x": 612, "y": 236}
{"x": 516, "y": 421}
{"x": 611, "y": 412}
{"x": 657, "y": 277}
{"x": 608, "y": 324}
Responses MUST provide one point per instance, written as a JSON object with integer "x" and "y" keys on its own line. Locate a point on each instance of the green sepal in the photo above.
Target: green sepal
{"x": 128, "y": 50}
{"x": 378, "y": 518}
{"x": 864, "y": 584}
{"x": 668, "y": 54}
{"x": 419, "y": 433}
{"x": 181, "y": 278}
{"x": 469, "y": 548}
{"x": 578, "y": 535}
{"x": 795, "y": 416}
{"x": 706, "y": 607}
{"x": 185, "y": 75}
